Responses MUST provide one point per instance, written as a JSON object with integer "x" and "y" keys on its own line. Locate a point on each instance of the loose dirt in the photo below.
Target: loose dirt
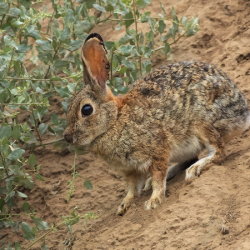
{"x": 213, "y": 212}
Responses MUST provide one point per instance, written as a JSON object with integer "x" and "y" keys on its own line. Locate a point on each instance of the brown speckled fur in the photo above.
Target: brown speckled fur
{"x": 171, "y": 115}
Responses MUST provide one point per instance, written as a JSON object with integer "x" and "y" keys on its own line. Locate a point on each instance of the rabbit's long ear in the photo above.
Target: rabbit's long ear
{"x": 95, "y": 62}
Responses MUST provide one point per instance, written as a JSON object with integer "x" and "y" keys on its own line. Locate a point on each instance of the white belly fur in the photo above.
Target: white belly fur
{"x": 186, "y": 150}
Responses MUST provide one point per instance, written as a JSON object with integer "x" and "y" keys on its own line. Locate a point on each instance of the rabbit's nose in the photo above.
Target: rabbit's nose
{"x": 68, "y": 138}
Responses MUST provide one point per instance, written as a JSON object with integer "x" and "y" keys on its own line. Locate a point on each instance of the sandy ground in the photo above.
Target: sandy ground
{"x": 193, "y": 215}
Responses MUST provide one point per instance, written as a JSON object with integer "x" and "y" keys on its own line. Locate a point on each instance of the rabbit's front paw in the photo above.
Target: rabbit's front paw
{"x": 153, "y": 202}
{"x": 123, "y": 207}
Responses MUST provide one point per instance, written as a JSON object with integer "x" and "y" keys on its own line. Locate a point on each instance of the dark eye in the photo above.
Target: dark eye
{"x": 86, "y": 110}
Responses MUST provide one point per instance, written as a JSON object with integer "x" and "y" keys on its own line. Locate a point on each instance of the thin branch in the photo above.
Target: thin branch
{"x": 39, "y": 79}
{"x": 51, "y": 229}
{"x": 36, "y": 127}
{"x": 33, "y": 103}
{"x": 176, "y": 40}
{"x": 40, "y": 238}
{"x": 105, "y": 19}
{"x": 136, "y": 34}
{"x": 4, "y": 165}
{"x": 132, "y": 19}
{"x": 111, "y": 66}
{"x": 49, "y": 142}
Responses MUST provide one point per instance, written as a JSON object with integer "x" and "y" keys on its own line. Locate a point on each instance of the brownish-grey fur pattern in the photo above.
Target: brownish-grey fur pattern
{"x": 170, "y": 115}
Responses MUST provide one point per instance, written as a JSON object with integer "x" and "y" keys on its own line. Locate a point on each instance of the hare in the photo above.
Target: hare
{"x": 169, "y": 116}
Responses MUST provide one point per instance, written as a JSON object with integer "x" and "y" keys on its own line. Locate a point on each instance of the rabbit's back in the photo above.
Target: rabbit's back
{"x": 192, "y": 91}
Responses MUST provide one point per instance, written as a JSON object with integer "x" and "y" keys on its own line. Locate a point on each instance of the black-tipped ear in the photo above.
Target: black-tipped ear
{"x": 95, "y": 62}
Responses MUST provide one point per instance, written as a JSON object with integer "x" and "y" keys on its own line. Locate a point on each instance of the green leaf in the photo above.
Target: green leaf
{"x": 40, "y": 224}
{"x": 5, "y": 131}
{"x": 99, "y": 7}
{"x": 14, "y": 12}
{"x": 26, "y": 207}
{"x": 167, "y": 48}
{"x": 126, "y": 50}
{"x": 21, "y": 194}
{"x": 3, "y": 8}
{"x": 16, "y": 133}
{"x": 44, "y": 45}
{"x": 162, "y": 26}
{"x": 32, "y": 160}
{"x": 147, "y": 65}
{"x": 87, "y": 184}
{"x": 142, "y": 3}
{"x": 129, "y": 22}
{"x": 16, "y": 154}
{"x": 43, "y": 128}
{"x": 28, "y": 231}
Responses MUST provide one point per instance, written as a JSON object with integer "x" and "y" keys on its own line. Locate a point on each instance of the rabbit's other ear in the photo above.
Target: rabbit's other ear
{"x": 95, "y": 62}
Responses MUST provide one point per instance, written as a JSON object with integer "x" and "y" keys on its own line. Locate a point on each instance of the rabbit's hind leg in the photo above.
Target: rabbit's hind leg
{"x": 172, "y": 172}
{"x": 195, "y": 169}
{"x": 132, "y": 180}
{"x": 179, "y": 167}
{"x": 213, "y": 143}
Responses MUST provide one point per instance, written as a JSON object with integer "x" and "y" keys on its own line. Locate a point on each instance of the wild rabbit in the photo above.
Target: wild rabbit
{"x": 169, "y": 116}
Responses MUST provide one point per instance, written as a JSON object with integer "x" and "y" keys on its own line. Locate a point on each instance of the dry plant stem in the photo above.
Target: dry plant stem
{"x": 33, "y": 103}
{"x": 45, "y": 143}
{"x": 176, "y": 40}
{"x": 136, "y": 34}
{"x": 4, "y": 165}
{"x": 41, "y": 237}
{"x": 111, "y": 66}
{"x": 39, "y": 79}
{"x": 50, "y": 20}
{"x": 11, "y": 59}
{"x": 36, "y": 128}
{"x": 48, "y": 232}
{"x": 72, "y": 182}
{"x": 50, "y": 142}
{"x": 132, "y": 19}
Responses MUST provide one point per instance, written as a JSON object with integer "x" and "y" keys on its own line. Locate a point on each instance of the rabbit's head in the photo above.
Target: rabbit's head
{"x": 94, "y": 109}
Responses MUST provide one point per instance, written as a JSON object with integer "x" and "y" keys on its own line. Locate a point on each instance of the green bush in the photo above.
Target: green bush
{"x": 39, "y": 59}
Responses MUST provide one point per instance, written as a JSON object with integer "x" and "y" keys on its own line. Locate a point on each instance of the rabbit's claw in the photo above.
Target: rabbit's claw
{"x": 153, "y": 202}
{"x": 148, "y": 184}
{"x": 123, "y": 207}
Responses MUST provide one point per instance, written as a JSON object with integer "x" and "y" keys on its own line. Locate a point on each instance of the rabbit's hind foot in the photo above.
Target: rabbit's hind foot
{"x": 195, "y": 169}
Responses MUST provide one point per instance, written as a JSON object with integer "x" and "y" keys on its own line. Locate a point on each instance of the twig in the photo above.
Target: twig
{"x": 111, "y": 66}
{"x": 49, "y": 231}
{"x": 136, "y": 35}
{"x": 33, "y": 103}
{"x": 11, "y": 59}
{"x": 132, "y": 19}
{"x": 72, "y": 182}
{"x": 105, "y": 19}
{"x": 39, "y": 238}
{"x": 4, "y": 165}
{"x": 176, "y": 40}
{"x": 49, "y": 142}
{"x": 36, "y": 128}
{"x": 34, "y": 79}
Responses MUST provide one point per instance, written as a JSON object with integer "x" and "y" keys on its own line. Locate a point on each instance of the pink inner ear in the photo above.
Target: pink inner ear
{"x": 94, "y": 57}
